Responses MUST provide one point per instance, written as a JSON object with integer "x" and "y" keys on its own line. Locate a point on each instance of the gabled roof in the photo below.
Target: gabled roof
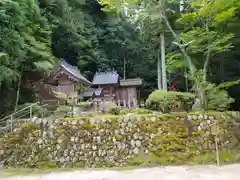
{"x": 73, "y": 70}
{"x": 131, "y": 82}
{"x": 103, "y": 78}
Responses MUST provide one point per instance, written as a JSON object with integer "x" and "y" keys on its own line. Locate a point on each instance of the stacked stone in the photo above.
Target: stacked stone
{"x": 107, "y": 141}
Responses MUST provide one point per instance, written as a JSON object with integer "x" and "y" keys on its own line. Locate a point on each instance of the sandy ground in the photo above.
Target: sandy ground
{"x": 229, "y": 172}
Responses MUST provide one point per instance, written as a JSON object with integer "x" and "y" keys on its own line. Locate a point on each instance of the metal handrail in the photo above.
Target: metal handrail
{"x": 9, "y": 116}
{"x": 9, "y": 121}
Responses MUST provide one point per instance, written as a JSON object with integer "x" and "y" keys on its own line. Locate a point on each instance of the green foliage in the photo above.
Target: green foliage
{"x": 62, "y": 111}
{"x": 165, "y": 101}
{"x": 88, "y": 35}
{"x": 213, "y": 97}
{"x": 112, "y": 108}
{"x": 135, "y": 111}
{"x": 25, "y": 39}
{"x": 217, "y": 99}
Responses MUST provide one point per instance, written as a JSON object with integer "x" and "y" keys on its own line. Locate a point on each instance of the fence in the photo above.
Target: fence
{"x": 9, "y": 123}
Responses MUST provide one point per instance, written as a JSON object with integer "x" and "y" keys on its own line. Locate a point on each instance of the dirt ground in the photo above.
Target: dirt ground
{"x": 229, "y": 172}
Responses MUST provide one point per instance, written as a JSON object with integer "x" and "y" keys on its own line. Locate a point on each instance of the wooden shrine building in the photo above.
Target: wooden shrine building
{"x": 107, "y": 86}
{"x": 66, "y": 79}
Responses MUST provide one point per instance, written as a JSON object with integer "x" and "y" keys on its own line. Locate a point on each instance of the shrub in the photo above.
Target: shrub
{"x": 62, "y": 111}
{"x": 111, "y": 108}
{"x": 218, "y": 100}
{"x": 114, "y": 110}
{"x": 165, "y": 101}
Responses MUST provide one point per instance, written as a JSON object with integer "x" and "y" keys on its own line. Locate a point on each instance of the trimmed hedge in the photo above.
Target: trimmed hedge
{"x": 108, "y": 141}
{"x": 165, "y": 101}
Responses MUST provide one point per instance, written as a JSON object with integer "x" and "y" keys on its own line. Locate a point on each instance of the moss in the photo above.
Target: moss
{"x": 157, "y": 139}
{"x": 46, "y": 165}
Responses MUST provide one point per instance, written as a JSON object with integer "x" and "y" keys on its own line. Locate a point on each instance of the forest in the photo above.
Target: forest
{"x": 200, "y": 39}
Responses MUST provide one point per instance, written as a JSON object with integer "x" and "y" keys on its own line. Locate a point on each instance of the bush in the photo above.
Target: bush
{"x": 165, "y": 101}
{"x": 218, "y": 100}
{"x": 114, "y": 110}
{"x": 62, "y": 111}
{"x": 111, "y": 108}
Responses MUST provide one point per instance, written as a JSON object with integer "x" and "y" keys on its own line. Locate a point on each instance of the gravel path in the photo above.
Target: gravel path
{"x": 230, "y": 172}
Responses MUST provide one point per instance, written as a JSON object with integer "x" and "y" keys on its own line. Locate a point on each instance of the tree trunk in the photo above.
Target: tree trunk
{"x": 18, "y": 91}
{"x": 124, "y": 61}
{"x": 159, "y": 70}
{"x": 164, "y": 76}
{"x": 206, "y": 64}
{"x": 186, "y": 79}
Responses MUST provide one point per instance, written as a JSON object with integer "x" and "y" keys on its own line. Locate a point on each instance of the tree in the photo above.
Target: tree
{"x": 201, "y": 39}
{"x": 27, "y": 50}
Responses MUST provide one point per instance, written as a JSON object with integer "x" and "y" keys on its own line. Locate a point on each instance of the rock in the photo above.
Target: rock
{"x": 194, "y": 117}
{"x": 98, "y": 139}
{"x": 153, "y": 119}
{"x": 82, "y": 146}
{"x": 138, "y": 143}
{"x": 132, "y": 143}
{"x": 135, "y": 136}
{"x": 146, "y": 151}
{"x": 211, "y": 117}
{"x": 81, "y": 122}
{"x": 40, "y": 141}
{"x": 74, "y": 122}
{"x": 200, "y": 117}
{"x": 126, "y": 119}
{"x": 76, "y": 139}
{"x": 94, "y": 147}
{"x": 135, "y": 150}
{"x": 72, "y": 153}
{"x": 34, "y": 119}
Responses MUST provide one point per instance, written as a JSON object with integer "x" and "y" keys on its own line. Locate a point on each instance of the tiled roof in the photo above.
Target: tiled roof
{"x": 131, "y": 82}
{"x": 105, "y": 78}
{"x": 74, "y": 71}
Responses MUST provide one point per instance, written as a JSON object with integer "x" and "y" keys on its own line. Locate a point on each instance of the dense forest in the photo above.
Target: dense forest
{"x": 101, "y": 36}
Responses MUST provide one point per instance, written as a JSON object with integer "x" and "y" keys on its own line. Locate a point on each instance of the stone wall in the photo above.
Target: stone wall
{"x": 118, "y": 141}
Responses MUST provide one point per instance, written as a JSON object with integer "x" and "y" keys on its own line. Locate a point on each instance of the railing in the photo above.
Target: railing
{"x": 26, "y": 113}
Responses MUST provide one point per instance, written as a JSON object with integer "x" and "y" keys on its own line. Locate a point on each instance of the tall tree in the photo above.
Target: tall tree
{"x": 25, "y": 39}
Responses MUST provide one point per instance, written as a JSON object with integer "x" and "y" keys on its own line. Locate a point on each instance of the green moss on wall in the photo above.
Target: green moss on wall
{"x": 107, "y": 141}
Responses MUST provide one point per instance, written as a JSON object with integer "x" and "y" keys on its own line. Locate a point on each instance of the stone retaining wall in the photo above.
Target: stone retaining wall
{"x": 116, "y": 140}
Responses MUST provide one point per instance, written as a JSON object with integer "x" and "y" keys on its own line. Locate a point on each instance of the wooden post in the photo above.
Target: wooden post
{"x": 30, "y": 112}
{"x": 214, "y": 129}
{"x": 138, "y": 97}
{"x": 11, "y": 123}
{"x": 134, "y": 102}
{"x": 217, "y": 150}
{"x": 124, "y": 103}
